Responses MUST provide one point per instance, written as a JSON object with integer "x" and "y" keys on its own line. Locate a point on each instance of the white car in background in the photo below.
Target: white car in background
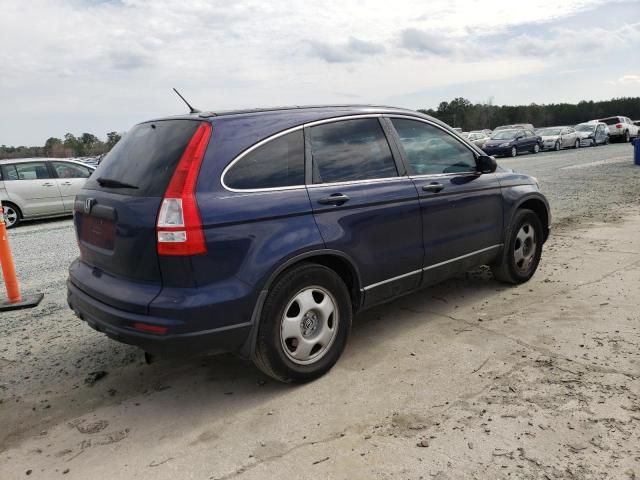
{"x": 620, "y": 128}
{"x": 592, "y": 134}
{"x": 32, "y": 188}
{"x": 557, "y": 138}
{"x": 478, "y": 138}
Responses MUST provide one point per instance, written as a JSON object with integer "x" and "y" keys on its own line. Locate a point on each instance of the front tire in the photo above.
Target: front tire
{"x": 12, "y": 215}
{"x": 536, "y": 148}
{"x": 556, "y": 147}
{"x": 577, "y": 144}
{"x": 522, "y": 250}
{"x": 514, "y": 152}
{"x": 305, "y": 324}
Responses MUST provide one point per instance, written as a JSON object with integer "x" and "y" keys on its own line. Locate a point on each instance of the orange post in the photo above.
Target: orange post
{"x": 8, "y": 267}
{"x": 15, "y": 300}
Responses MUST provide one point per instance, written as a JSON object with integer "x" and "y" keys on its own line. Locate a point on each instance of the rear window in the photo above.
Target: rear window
{"x": 611, "y": 121}
{"x": 145, "y": 157}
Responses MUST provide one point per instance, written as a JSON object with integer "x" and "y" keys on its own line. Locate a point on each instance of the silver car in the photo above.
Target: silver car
{"x": 478, "y": 138}
{"x": 33, "y": 188}
{"x": 556, "y": 138}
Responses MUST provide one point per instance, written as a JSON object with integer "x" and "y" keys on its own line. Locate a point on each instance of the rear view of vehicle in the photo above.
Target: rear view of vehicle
{"x": 138, "y": 225}
{"x": 621, "y": 129}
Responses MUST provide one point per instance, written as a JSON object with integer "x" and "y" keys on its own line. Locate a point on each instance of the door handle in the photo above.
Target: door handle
{"x": 47, "y": 184}
{"x": 334, "y": 199}
{"x": 433, "y": 187}
{"x": 67, "y": 183}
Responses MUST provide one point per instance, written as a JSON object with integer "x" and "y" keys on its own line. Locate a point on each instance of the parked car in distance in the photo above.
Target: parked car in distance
{"x": 486, "y": 131}
{"x": 620, "y": 128}
{"x": 512, "y": 142}
{"x": 556, "y": 138}
{"x": 478, "y": 138}
{"x": 636, "y": 122}
{"x": 592, "y": 134}
{"x": 526, "y": 126}
{"x": 263, "y": 232}
{"x": 32, "y": 188}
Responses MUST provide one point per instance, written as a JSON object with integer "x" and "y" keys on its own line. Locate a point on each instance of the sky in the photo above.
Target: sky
{"x": 104, "y": 65}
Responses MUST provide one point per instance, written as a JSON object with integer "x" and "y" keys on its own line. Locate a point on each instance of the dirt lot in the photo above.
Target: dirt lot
{"x": 467, "y": 380}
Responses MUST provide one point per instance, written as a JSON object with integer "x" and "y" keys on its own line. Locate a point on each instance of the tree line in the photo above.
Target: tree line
{"x": 85, "y": 145}
{"x": 460, "y": 112}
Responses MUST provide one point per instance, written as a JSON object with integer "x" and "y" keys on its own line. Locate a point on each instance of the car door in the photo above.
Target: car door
{"x": 31, "y": 186}
{"x": 531, "y": 139}
{"x": 364, "y": 204}
{"x": 461, "y": 209}
{"x": 71, "y": 177}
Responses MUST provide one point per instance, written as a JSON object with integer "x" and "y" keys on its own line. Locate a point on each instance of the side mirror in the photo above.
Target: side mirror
{"x": 487, "y": 164}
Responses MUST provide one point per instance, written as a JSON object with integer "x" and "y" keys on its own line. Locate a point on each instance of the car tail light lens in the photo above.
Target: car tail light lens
{"x": 179, "y": 227}
{"x": 618, "y": 125}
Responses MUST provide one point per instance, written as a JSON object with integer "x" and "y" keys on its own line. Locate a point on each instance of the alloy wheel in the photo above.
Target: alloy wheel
{"x": 10, "y": 215}
{"x": 524, "y": 250}
{"x": 309, "y": 325}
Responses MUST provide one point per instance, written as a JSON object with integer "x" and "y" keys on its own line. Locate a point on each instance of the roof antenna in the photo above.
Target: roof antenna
{"x": 191, "y": 109}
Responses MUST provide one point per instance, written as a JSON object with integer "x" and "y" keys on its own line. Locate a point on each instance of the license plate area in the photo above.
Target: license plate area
{"x": 98, "y": 232}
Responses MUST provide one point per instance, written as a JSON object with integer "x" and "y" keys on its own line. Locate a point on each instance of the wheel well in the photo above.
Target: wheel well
{"x": 541, "y": 210}
{"x": 345, "y": 270}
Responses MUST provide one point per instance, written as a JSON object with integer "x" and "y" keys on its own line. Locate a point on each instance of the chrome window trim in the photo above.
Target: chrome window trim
{"x": 290, "y": 130}
{"x": 430, "y": 267}
{"x": 359, "y": 182}
{"x": 247, "y": 152}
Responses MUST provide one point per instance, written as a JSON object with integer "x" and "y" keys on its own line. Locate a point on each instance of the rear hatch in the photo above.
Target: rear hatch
{"x": 117, "y": 210}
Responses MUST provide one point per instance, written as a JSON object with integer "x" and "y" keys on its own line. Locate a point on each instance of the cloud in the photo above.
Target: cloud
{"x": 424, "y": 42}
{"x": 626, "y": 80}
{"x": 351, "y": 51}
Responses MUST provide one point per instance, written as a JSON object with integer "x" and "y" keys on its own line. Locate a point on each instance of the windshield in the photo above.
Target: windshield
{"x": 585, "y": 127}
{"x": 504, "y": 135}
{"x": 548, "y": 132}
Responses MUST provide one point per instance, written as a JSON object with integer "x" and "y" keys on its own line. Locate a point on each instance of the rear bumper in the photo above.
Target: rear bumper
{"x": 119, "y": 325}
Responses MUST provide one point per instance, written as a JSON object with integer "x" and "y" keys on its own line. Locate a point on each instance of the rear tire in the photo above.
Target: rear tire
{"x": 12, "y": 214}
{"x": 627, "y": 137}
{"x": 577, "y": 144}
{"x": 522, "y": 249}
{"x": 305, "y": 324}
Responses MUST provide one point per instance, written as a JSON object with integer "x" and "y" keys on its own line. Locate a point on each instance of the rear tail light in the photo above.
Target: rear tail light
{"x": 618, "y": 125}
{"x": 179, "y": 227}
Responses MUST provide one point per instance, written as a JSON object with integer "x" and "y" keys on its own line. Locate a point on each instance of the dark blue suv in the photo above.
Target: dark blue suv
{"x": 263, "y": 232}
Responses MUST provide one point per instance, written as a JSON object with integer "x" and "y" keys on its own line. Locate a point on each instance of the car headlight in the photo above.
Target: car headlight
{"x": 504, "y": 144}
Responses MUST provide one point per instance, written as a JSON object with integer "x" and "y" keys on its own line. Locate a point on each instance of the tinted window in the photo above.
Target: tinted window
{"x": 430, "y": 150}
{"x": 27, "y": 171}
{"x": 278, "y": 163}
{"x": 70, "y": 170}
{"x": 145, "y": 157}
{"x": 351, "y": 150}
{"x": 611, "y": 121}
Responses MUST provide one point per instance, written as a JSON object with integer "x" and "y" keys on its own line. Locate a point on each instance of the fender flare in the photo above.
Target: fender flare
{"x": 248, "y": 348}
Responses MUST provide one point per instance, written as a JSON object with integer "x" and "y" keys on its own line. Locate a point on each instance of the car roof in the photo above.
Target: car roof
{"x": 6, "y": 161}
{"x": 300, "y": 114}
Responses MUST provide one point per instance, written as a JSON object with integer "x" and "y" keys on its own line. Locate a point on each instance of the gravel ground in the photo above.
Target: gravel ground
{"x": 453, "y": 382}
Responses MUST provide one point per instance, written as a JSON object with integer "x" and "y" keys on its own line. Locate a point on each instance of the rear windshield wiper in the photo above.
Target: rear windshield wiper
{"x": 111, "y": 183}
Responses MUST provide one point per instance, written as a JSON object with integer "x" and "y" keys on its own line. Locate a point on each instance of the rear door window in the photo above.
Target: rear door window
{"x": 28, "y": 171}
{"x": 145, "y": 157}
{"x": 9, "y": 172}
{"x": 70, "y": 170}
{"x": 278, "y": 163}
{"x": 351, "y": 150}
{"x": 431, "y": 151}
